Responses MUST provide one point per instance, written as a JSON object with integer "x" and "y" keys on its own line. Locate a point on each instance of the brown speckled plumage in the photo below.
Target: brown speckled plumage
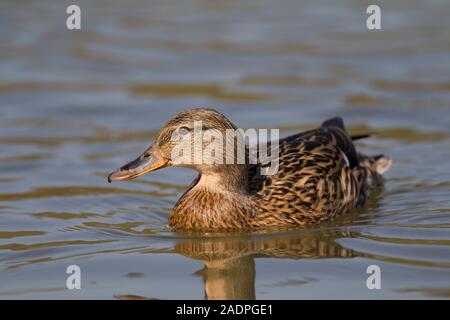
{"x": 320, "y": 176}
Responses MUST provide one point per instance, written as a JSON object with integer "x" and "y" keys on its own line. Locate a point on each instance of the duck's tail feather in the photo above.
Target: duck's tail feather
{"x": 334, "y": 122}
{"x": 359, "y": 136}
{"x": 373, "y": 168}
{"x": 338, "y": 122}
{"x": 382, "y": 163}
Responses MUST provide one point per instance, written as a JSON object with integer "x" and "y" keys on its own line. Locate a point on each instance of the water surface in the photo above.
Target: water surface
{"x": 75, "y": 105}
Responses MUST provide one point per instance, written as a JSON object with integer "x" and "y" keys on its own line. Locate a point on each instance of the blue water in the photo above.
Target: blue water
{"x": 74, "y": 105}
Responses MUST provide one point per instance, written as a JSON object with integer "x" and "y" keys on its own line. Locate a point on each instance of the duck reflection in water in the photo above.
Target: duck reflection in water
{"x": 229, "y": 271}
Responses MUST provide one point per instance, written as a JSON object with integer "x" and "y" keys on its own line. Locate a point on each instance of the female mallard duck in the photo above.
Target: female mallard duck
{"x": 320, "y": 175}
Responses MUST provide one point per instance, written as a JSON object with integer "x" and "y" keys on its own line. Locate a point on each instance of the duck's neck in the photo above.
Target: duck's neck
{"x": 226, "y": 178}
{"x": 218, "y": 200}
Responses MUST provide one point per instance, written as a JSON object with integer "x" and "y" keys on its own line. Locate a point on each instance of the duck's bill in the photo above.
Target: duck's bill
{"x": 150, "y": 160}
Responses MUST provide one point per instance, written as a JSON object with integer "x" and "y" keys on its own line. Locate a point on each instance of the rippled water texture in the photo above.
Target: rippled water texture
{"x": 75, "y": 105}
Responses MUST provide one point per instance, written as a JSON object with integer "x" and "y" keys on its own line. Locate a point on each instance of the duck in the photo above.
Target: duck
{"x": 319, "y": 176}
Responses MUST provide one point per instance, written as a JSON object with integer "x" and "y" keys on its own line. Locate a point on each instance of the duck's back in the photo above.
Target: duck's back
{"x": 320, "y": 175}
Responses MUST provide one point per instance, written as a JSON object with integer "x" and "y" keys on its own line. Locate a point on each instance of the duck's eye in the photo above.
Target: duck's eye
{"x": 183, "y": 130}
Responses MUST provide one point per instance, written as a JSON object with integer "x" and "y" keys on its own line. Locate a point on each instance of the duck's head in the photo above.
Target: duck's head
{"x": 179, "y": 143}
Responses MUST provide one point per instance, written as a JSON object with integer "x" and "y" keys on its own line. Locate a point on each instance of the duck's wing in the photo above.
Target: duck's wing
{"x": 325, "y": 150}
{"x": 343, "y": 141}
{"x": 329, "y": 143}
